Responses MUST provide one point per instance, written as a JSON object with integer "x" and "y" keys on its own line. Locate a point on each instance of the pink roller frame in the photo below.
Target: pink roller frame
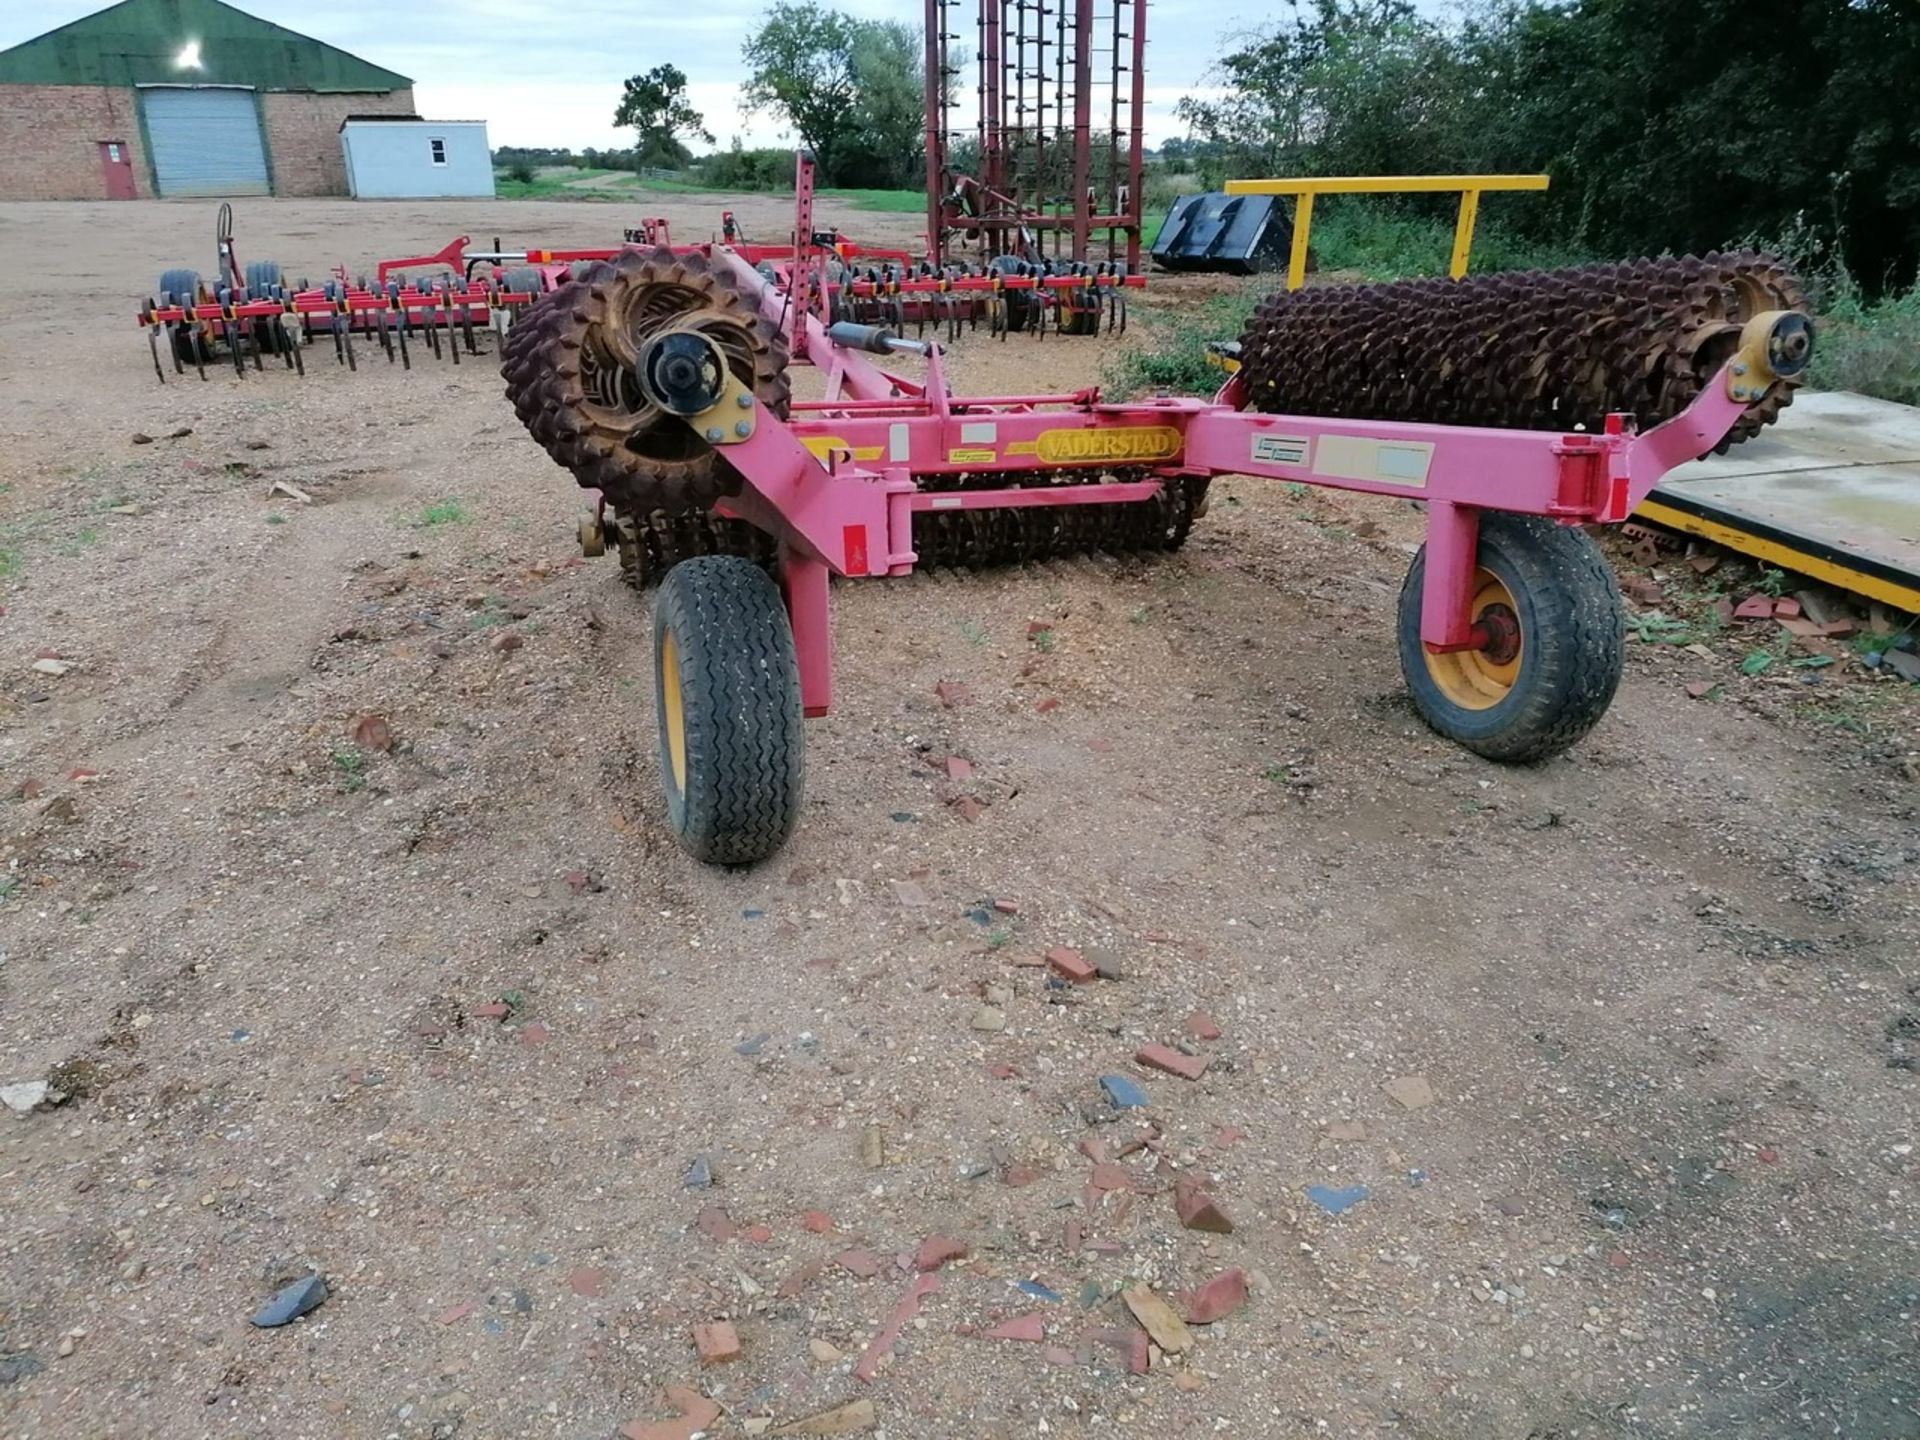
{"x": 844, "y": 503}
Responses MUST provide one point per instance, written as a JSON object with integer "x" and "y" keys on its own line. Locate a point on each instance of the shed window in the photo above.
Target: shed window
{"x": 439, "y": 151}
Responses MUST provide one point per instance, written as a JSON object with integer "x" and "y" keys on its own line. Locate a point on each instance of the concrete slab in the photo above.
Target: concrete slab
{"x": 1832, "y": 490}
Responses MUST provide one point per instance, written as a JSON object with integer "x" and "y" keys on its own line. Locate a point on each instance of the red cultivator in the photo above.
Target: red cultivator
{"x": 250, "y": 315}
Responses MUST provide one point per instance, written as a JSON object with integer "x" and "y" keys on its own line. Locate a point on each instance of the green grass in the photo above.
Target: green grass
{"x": 350, "y": 766}
{"x": 442, "y": 512}
{"x": 1869, "y": 346}
{"x": 1174, "y": 357}
{"x": 1383, "y": 244}
{"x": 559, "y": 187}
{"x": 9, "y": 563}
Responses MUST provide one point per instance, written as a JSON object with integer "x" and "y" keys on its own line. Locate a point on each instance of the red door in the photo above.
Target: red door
{"x": 117, "y": 165}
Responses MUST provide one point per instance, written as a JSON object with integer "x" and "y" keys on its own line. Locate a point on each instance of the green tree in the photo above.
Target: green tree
{"x": 1664, "y": 127}
{"x": 850, "y": 89}
{"x": 890, "y": 107}
{"x": 800, "y": 66}
{"x": 656, "y": 106}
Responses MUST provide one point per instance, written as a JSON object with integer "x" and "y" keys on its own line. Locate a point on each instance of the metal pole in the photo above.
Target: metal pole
{"x": 1139, "y": 97}
{"x": 1082, "y": 126}
{"x": 936, "y": 127}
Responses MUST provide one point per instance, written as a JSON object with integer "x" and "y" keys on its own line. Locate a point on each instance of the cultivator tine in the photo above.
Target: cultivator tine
{"x": 339, "y": 352}
{"x": 466, "y": 324}
{"x": 296, "y": 348}
{"x": 346, "y": 338}
{"x": 401, "y": 326}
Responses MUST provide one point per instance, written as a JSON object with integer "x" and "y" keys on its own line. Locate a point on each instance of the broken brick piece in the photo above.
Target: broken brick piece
{"x": 1218, "y": 1298}
{"x": 1131, "y": 1345}
{"x": 882, "y": 1343}
{"x": 495, "y": 1010}
{"x": 952, "y": 692}
{"x": 1202, "y": 1026}
{"x": 794, "y": 1283}
{"x": 1198, "y": 1210}
{"x": 696, "y": 1414}
{"x": 1046, "y": 706}
{"x": 717, "y": 1341}
{"x": 759, "y": 1234}
{"x": 714, "y": 1223}
{"x": 587, "y": 1281}
{"x": 937, "y": 1250}
{"x": 818, "y": 1221}
{"x": 1070, "y": 964}
{"x": 863, "y": 1263}
{"x": 1165, "y": 1057}
{"x": 1754, "y": 607}
{"x": 1111, "y": 1177}
{"x": 957, "y": 768}
{"x": 1030, "y": 1327}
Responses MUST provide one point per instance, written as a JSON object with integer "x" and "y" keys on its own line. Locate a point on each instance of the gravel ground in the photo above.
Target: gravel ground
{"x": 1609, "y": 1065}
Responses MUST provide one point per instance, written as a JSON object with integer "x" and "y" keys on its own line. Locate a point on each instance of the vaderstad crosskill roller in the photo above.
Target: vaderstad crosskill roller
{"x": 1517, "y": 407}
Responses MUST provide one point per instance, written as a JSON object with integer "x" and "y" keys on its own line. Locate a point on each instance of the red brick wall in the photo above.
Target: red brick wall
{"x": 303, "y": 135}
{"x": 49, "y": 138}
{"x": 49, "y": 135}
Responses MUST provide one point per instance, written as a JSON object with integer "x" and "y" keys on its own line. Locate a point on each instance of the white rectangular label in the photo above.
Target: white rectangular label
{"x": 897, "y": 440}
{"x": 948, "y": 502}
{"x": 1360, "y": 457}
{"x": 979, "y": 432}
{"x": 1280, "y": 449}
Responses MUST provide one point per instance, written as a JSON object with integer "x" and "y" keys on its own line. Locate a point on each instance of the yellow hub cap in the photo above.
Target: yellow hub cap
{"x": 673, "y": 712}
{"x": 1481, "y": 679}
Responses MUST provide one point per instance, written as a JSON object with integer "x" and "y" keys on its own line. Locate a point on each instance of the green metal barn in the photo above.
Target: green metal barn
{"x": 182, "y": 98}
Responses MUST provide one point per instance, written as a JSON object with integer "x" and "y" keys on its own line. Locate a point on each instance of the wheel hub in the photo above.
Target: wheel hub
{"x": 1498, "y": 631}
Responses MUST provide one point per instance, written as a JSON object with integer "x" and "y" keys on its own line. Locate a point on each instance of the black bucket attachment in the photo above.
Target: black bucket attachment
{"x": 1237, "y": 234}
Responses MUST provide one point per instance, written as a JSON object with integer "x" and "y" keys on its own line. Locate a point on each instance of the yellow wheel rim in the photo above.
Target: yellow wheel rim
{"x": 1481, "y": 679}
{"x": 673, "y": 712}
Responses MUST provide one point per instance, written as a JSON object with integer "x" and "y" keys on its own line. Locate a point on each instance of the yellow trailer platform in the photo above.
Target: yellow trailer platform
{"x": 1832, "y": 491}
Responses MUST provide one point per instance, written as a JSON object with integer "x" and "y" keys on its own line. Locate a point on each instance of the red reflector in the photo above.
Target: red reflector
{"x": 854, "y": 541}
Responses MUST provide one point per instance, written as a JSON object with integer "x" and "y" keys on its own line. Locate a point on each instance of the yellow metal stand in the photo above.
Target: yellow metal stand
{"x": 1468, "y": 187}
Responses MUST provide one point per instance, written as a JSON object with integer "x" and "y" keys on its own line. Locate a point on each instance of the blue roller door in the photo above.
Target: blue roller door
{"x": 205, "y": 142}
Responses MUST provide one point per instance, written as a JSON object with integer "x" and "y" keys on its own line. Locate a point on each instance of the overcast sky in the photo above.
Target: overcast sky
{"x": 549, "y": 74}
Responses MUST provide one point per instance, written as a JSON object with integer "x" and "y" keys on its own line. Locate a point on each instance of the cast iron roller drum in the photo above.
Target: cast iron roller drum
{"x": 573, "y": 366}
{"x": 1530, "y": 349}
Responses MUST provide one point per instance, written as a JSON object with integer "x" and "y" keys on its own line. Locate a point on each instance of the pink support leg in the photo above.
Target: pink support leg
{"x": 805, "y": 580}
{"x": 1453, "y": 547}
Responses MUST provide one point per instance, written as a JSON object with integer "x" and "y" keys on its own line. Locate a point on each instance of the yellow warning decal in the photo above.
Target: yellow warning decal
{"x": 971, "y": 457}
{"x": 1124, "y": 442}
{"x": 821, "y": 445}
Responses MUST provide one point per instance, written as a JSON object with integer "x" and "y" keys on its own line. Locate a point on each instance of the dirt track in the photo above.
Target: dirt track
{"x": 1666, "y": 991}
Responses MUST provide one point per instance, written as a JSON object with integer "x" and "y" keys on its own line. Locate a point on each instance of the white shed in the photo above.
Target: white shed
{"x": 406, "y": 158}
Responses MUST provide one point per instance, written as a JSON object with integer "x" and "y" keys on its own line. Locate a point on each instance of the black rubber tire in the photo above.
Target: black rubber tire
{"x": 524, "y": 278}
{"x": 1573, "y": 642}
{"x": 739, "y": 680}
{"x": 181, "y": 286}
